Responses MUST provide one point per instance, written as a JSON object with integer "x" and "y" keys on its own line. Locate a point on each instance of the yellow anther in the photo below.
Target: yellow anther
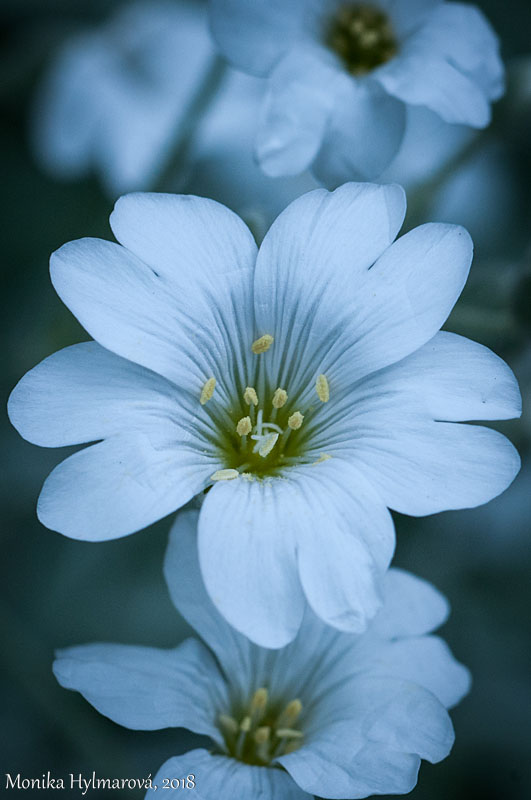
{"x": 261, "y": 735}
{"x": 269, "y": 442}
{"x": 322, "y": 388}
{"x": 295, "y": 421}
{"x": 290, "y": 714}
{"x": 259, "y": 701}
{"x": 280, "y": 398}
{"x": 207, "y": 391}
{"x": 250, "y": 396}
{"x": 229, "y": 724}
{"x": 262, "y": 344}
{"x": 224, "y": 475}
{"x": 288, "y": 733}
{"x": 291, "y": 746}
{"x": 244, "y": 426}
{"x": 245, "y": 724}
{"x": 322, "y": 457}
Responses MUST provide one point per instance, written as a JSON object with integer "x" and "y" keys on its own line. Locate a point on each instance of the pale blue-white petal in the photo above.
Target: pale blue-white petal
{"x": 422, "y": 468}
{"x": 181, "y": 314}
{"x": 255, "y": 538}
{"x": 253, "y": 36}
{"x": 364, "y": 133}
{"x": 450, "y": 378}
{"x": 311, "y": 268}
{"x": 216, "y": 777}
{"x": 410, "y": 607}
{"x": 422, "y": 76}
{"x": 300, "y": 97}
{"x": 84, "y": 393}
{"x": 121, "y": 485}
{"x": 145, "y": 688}
{"x": 425, "y": 661}
{"x": 408, "y": 15}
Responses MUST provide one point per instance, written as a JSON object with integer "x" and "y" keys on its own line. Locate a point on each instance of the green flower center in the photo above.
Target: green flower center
{"x": 262, "y": 730}
{"x": 363, "y": 37}
{"x": 263, "y": 430}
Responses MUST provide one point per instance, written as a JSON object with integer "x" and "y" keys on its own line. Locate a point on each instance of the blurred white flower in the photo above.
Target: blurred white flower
{"x": 343, "y": 74}
{"x": 116, "y": 98}
{"x": 332, "y": 714}
{"x": 307, "y": 386}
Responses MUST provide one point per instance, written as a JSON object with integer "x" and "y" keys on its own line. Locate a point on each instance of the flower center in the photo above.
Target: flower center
{"x": 263, "y": 730}
{"x": 263, "y": 429}
{"x": 362, "y": 36}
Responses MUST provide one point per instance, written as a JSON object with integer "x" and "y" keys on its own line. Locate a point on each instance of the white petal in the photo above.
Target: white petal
{"x": 452, "y": 379}
{"x": 84, "y": 393}
{"x": 310, "y": 268}
{"x": 298, "y": 102}
{"x": 425, "y": 661}
{"x": 420, "y": 76}
{"x": 145, "y": 688}
{"x": 234, "y": 652}
{"x": 179, "y": 317}
{"x": 407, "y": 15}
{"x": 248, "y": 560}
{"x": 425, "y": 468}
{"x": 364, "y": 133}
{"x": 223, "y": 778}
{"x": 411, "y": 606}
{"x": 119, "y": 486}
{"x": 253, "y": 36}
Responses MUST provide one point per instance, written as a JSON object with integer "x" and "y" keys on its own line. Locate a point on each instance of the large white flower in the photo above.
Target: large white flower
{"x": 342, "y": 75}
{"x": 332, "y": 714}
{"x": 305, "y": 386}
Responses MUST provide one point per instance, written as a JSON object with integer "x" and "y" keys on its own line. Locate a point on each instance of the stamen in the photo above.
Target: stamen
{"x": 288, "y": 733}
{"x": 245, "y": 724}
{"x": 229, "y": 724}
{"x": 322, "y": 388}
{"x": 262, "y": 344}
{"x": 262, "y": 740}
{"x": 280, "y": 398}
{"x": 224, "y": 475}
{"x": 269, "y": 442}
{"x": 322, "y": 457}
{"x": 250, "y": 396}
{"x": 295, "y": 421}
{"x": 259, "y": 701}
{"x": 244, "y": 426}
{"x": 207, "y": 391}
{"x": 289, "y": 715}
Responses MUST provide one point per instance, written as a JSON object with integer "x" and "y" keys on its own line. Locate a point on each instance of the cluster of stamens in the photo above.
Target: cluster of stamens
{"x": 363, "y": 37}
{"x": 264, "y": 731}
{"x": 263, "y": 432}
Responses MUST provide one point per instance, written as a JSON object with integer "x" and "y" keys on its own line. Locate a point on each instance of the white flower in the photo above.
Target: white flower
{"x": 116, "y": 98}
{"x": 306, "y": 386}
{"x": 343, "y": 73}
{"x": 344, "y": 716}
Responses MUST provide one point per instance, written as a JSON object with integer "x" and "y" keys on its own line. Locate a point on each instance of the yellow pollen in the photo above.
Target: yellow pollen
{"x": 322, "y": 388}
{"x": 244, "y": 426}
{"x": 280, "y": 398}
{"x": 245, "y": 724}
{"x": 288, "y": 733}
{"x": 269, "y": 442}
{"x": 322, "y": 457}
{"x": 295, "y": 421}
{"x": 290, "y": 714}
{"x": 250, "y": 396}
{"x": 207, "y": 391}
{"x": 262, "y": 344}
{"x": 262, "y": 734}
{"x": 228, "y": 723}
{"x": 259, "y": 701}
{"x": 224, "y": 475}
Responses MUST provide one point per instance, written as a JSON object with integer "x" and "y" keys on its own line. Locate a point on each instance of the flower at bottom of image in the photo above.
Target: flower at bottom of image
{"x": 335, "y": 714}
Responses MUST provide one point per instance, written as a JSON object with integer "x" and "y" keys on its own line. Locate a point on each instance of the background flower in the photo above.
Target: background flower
{"x": 346, "y": 716}
{"x": 343, "y": 76}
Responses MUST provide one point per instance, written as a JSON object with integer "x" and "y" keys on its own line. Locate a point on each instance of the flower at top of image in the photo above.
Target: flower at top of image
{"x": 342, "y": 75}
{"x": 117, "y": 97}
{"x": 332, "y": 714}
{"x": 300, "y": 390}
